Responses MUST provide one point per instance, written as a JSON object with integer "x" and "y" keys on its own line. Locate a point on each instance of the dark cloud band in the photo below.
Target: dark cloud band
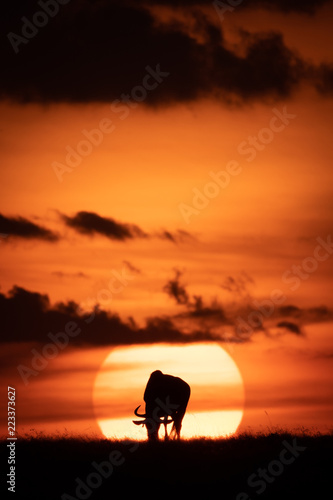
{"x": 99, "y": 52}
{"x": 29, "y": 317}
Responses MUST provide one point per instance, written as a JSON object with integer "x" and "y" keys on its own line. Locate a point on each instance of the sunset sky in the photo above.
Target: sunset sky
{"x": 167, "y": 183}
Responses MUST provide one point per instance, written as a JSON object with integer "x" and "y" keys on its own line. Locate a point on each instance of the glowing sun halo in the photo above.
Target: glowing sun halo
{"x": 217, "y": 394}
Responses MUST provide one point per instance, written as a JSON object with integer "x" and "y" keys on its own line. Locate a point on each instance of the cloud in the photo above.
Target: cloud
{"x": 290, "y": 327}
{"x": 286, "y": 6}
{"x": 303, "y": 6}
{"x": 131, "y": 267}
{"x": 240, "y": 320}
{"x": 91, "y": 223}
{"x": 19, "y": 227}
{"x": 176, "y": 290}
{"x": 268, "y": 70}
{"x": 176, "y": 237}
{"x": 317, "y": 314}
{"x": 238, "y": 285}
{"x": 306, "y": 6}
{"x": 29, "y": 317}
{"x": 100, "y": 51}
{"x": 61, "y": 274}
{"x": 206, "y": 315}
{"x": 290, "y": 310}
{"x": 323, "y": 78}
{"x": 85, "y": 223}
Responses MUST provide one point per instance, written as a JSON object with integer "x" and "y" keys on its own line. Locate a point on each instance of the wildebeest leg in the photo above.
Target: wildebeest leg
{"x": 178, "y": 420}
{"x": 166, "y": 437}
{"x": 178, "y": 426}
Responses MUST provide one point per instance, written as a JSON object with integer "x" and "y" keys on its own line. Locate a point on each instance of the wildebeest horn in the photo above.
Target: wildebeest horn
{"x": 139, "y": 422}
{"x": 142, "y": 415}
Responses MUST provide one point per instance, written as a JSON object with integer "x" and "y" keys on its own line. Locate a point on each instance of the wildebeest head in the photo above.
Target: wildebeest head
{"x": 152, "y": 421}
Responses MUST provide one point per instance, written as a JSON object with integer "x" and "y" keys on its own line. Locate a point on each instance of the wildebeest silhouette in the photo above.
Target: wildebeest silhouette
{"x": 166, "y": 399}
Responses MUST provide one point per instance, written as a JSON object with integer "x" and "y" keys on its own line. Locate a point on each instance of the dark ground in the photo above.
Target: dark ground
{"x": 273, "y": 466}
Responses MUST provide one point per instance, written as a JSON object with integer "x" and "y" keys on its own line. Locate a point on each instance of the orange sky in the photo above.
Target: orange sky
{"x": 263, "y": 222}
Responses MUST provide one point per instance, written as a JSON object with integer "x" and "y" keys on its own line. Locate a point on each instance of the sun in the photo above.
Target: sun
{"x": 217, "y": 392}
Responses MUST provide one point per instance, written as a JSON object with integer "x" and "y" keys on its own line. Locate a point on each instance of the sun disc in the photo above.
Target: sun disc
{"x": 217, "y": 393}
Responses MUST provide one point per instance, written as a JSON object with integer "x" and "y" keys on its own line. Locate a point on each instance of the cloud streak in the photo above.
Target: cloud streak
{"x": 61, "y": 274}
{"x": 19, "y": 227}
{"x": 90, "y": 223}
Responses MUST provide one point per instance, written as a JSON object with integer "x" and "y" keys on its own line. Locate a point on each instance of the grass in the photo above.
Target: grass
{"x": 47, "y": 467}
